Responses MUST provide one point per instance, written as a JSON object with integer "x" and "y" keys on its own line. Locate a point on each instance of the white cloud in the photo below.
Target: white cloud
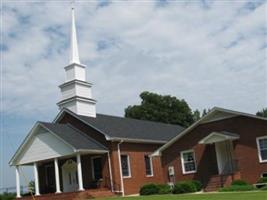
{"x": 211, "y": 55}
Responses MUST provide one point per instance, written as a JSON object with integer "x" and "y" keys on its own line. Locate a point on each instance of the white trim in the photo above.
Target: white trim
{"x": 213, "y": 110}
{"x": 259, "y": 150}
{"x": 117, "y": 139}
{"x": 18, "y": 182}
{"x": 151, "y": 166}
{"x": 91, "y": 151}
{"x": 36, "y": 179}
{"x": 226, "y": 137}
{"x": 129, "y": 166}
{"x": 23, "y": 144}
{"x": 182, "y": 161}
{"x": 92, "y": 165}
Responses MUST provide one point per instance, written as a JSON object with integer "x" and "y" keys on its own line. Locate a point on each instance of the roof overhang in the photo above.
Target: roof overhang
{"x": 218, "y": 137}
{"x": 215, "y": 114}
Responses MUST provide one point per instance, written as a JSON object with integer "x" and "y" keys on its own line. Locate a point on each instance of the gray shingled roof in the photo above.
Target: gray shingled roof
{"x": 74, "y": 137}
{"x": 119, "y": 127}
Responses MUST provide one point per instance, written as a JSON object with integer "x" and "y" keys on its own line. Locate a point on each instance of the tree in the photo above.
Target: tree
{"x": 196, "y": 115}
{"x": 205, "y": 112}
{"x": 31, "y": 187}
{"x": 166, "y": 109}
{"x": 262, "y": 113}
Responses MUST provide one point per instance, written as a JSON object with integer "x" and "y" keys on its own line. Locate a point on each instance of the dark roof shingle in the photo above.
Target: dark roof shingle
{"x": 74, "y": 137}
{"x": 119, "y": 127}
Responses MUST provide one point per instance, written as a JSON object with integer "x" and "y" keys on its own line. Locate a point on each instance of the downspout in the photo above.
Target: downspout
{"x": 119, "y": 158}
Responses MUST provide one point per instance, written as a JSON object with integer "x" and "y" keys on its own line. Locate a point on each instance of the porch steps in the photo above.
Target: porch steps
{"x": 84, "y": 195}
{"x": 214, "y": 183}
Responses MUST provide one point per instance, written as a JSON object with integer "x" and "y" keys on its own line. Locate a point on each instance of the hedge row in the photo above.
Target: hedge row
{"x": 178, "y": 188}
{"x": 237, "y": 188}
{"x": 237, "y": 185}
{"x": 194, "y": 186}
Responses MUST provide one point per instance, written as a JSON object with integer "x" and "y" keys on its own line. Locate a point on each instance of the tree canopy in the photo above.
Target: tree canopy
{"x": 262, "y": 113}
{"x": 162, "y": 108}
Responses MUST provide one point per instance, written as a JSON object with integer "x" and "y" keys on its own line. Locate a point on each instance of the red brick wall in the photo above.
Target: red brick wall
{"x": 245, "y": 149}
{"x": 136, "y": 153}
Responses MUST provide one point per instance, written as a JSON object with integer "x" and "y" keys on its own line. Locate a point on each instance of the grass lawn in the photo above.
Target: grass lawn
{"x": 259, "y": 195}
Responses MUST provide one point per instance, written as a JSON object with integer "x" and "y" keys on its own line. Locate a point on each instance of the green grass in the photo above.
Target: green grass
{"x": 255, "y": 195}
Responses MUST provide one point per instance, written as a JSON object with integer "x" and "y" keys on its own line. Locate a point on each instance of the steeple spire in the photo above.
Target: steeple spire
{"x": 74, "y": 53}
{"x": 76, "y": 91}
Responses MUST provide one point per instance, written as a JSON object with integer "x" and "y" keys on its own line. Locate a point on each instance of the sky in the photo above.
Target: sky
{"x": 210, "y": 53}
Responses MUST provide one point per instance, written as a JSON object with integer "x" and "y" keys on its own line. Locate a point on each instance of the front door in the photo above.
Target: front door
{"x": 69, "y": 176}
{"x": 224, "y": 153}
{"x": 50, "y": 185}
{"x": 97, "y": 168}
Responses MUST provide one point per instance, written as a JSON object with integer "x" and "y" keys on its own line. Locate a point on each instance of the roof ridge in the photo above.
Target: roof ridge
{"x": 141, "y": 120}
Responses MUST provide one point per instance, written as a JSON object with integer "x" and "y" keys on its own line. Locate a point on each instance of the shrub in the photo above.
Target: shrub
{"x": 164, "y": 189}
{"x": 234, "y": 188}
{"x": 239, "y": 182}
{"x": 262, "y": 180}
{"x": 264, "y": 188}
{"x": 184, "y": 187}
{"x": 197, "y": 184}
{"x": 149, "y": 189}
{"x": 8, "y": 196}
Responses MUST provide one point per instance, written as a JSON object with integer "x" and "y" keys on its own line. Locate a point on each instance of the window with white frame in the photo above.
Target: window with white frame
{"x": 125, "y": 166}
{"x": 188, "y": 161}
{"x": 262, "y": 148}
{"x": 264, "y": 174}
{"x": 148, "y": 166}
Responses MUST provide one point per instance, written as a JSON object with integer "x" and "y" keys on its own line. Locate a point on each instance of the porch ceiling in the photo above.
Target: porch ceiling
{"x": 219, "y": 137}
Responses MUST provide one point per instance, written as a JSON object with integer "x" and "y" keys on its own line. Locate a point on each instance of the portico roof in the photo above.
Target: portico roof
{"x": 219, "y": 137}
{"x": 52, "y": 140}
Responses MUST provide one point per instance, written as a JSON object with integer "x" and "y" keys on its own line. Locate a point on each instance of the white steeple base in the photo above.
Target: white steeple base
{"x": 79, "y": 105}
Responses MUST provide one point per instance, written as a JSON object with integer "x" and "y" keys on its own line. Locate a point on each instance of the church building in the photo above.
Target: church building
{"x": 86, "y": 154}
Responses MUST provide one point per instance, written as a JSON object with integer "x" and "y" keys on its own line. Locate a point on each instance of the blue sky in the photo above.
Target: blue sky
{"x": 211, "y": 53}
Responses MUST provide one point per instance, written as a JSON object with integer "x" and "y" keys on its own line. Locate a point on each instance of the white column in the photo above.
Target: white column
{"x": 80, "y": 174}
{"x": 36, "y": 179}
{"x": 110, "y": 173}
{"x": 18, "y": 182}
{"x": 57, "y": 176}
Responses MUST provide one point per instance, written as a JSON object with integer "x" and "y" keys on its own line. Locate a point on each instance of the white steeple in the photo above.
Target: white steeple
{"x": 76, "y": 91}
{"x": 74, "y": 52}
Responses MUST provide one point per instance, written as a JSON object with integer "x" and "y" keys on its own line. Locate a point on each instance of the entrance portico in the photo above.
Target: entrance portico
{"x": 58, "y": 162}
{"x": 224, "y": 150}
